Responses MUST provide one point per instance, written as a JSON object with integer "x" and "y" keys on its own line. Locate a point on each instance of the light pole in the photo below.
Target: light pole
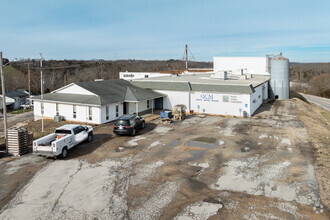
{"x": 42, "y": 95}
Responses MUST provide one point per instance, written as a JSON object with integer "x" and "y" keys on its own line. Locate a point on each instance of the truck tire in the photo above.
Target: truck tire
{"x": 133, "y": 133}
{"x": 90, "y": 137}
{"x": 64, "y": 152}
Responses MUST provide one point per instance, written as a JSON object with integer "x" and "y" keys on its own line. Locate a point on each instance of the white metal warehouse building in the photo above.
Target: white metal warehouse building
{"x": 203, "y": 94}
{"x": 237, "y": 86}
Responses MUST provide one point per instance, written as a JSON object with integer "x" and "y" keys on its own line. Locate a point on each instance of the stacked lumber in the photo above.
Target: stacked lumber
{"x": 179, "y": 112}
{"x": 18, "y": 139}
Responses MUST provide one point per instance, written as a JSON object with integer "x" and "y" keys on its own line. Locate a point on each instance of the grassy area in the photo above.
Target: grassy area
{"x": 317, "y": 122}
{"x": 21, "y": 111}
{"x": 326, "y": 115}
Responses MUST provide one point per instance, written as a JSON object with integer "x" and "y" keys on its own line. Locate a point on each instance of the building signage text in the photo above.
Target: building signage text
{"x": 233, "y": 99}
{"x": 206, "y": 98}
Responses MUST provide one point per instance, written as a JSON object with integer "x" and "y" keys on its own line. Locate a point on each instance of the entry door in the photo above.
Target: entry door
{"x": 125, "y": 110}
{"x": 159, "y": 103}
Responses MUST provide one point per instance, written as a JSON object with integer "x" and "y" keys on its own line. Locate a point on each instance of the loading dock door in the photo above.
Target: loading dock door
{"x": 159, "y": 103}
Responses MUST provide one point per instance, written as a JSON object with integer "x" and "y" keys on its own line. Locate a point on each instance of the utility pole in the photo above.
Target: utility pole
{"x": 29, "y": 81}
{"x": 64, "y": 79}
{"x": 4, "y": 109}
{"x": 101, "y": 69}
{"x": 187, "y": 57}
{"x": 42, "y": 95}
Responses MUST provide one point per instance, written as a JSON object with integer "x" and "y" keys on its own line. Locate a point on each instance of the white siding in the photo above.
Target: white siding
{"x": 131, "y": 108}
{"x": 254, "y": 65}
{"x": 213, "y": 103}
{"x": 74, "y": 89}
{"x": 175, "y": 98}
{"x": 112, "y": 112}
{"x": 141, "y": 107}
{"x": 66, "y": 110}
{"x": 257, "y": 97}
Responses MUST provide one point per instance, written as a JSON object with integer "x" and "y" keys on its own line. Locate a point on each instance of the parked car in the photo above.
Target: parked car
{"x": 64, "y": 138}
{"x": 128, "y": 124}
{"x": 25, "y": 106}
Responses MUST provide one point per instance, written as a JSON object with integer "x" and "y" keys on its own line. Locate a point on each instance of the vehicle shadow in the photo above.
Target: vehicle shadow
{"x": 86, "y": 148}
{"x": 148, "y": 128}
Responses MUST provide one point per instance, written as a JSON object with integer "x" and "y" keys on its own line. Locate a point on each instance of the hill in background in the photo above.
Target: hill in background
{"x": 58, "y": 73}
{"x": 314, "y": 78}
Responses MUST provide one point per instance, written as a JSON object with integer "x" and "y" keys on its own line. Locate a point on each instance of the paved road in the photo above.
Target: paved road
{"x": 323, "y": 102}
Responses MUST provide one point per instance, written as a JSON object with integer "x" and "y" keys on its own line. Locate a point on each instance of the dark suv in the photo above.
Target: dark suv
{"x": 128, "y": 124}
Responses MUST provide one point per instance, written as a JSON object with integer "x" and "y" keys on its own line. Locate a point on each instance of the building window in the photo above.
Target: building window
{"x": 148, "y": 104}
{"x": 57, "y": 111}
{"x": 117, "y": 110}
{"x": 106, "y": 112}
{"x": 90, "y": 113}
{"x": 74, "y": 109}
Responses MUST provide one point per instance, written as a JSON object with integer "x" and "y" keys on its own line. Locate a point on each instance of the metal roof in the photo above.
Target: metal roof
{"x": 202, "y": 82}
{"x": 106, "y": 92}
{"x": 13, "y": 94}
{"x": 158, "y": 85}
{"x": 70, "y": 98}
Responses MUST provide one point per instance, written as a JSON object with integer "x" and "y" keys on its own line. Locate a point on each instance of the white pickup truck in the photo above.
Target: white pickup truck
{"x": 64, "y": 138}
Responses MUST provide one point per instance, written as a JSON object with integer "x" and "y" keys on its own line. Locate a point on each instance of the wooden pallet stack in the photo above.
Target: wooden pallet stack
{"x": 179, "y": 112}
{"x": 18, "y": 141}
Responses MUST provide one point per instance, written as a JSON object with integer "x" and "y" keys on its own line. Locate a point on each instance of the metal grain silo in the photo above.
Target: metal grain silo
{"x": 279, "y": 78}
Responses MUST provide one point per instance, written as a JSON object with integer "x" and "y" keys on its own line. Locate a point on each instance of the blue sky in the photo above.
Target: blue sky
{"x": 159, "y": 29}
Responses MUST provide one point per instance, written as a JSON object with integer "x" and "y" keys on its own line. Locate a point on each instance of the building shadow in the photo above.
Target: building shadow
{"x": 265, "y": 107}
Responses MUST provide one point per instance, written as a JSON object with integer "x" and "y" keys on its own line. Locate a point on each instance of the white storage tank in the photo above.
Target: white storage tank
{"x": 279, "y": 78}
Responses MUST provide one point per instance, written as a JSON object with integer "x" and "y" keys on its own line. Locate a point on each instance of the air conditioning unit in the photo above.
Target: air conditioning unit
{"x": 58, "y": 118}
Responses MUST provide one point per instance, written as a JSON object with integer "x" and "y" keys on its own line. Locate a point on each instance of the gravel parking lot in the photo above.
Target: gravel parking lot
{"x": 212, "y": 167}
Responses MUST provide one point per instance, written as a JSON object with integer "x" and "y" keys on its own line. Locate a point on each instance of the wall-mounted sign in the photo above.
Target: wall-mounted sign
{"x": 233, "y": 99}
{"x": 205, "y": 97}
{"x": 128, "y": 75}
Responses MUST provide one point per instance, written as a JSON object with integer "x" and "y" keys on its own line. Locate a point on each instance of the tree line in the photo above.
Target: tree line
{"x": 312, "y": 78}
{"x": 58, "y": 73}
